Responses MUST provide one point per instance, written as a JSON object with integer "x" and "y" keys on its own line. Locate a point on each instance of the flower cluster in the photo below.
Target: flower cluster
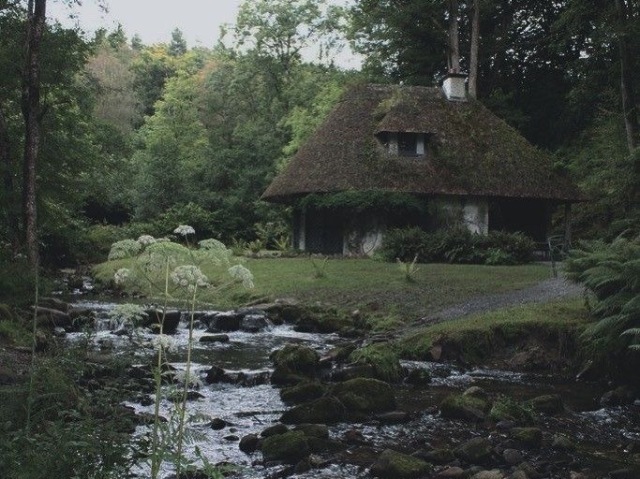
{"x": 242, "y": 274}
{"x": 146, "y": 240}
{"x": 190, "y": 277}
{"x": 184, "y": 230}
{"x": 122, "y": 275}
{"x": 124, "y": 249}
{"x": 127, "y": 314}
{"x": 163, "y": 342}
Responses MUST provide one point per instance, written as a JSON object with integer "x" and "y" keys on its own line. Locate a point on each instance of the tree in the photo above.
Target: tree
{"x": 32, "y": 113}
{"x": 178, "y": 45}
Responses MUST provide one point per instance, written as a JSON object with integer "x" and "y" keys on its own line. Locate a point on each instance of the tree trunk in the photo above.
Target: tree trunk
{"x": 475, "y": 45}
{"x": 454, "y": 43}
{"x": 626, "y": 76}
{"x": 31, "y": 110}
{"x": 11, "y": 205}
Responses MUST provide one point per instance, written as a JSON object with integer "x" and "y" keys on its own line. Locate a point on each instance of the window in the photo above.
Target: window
{"x": 407, "y": 144}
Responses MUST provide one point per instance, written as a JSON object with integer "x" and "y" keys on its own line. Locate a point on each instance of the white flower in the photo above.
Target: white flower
{"x": 122, "y": 275}
{"x": 163, "y": 342}
{"x": 184, "y": 230}
{"x": 145, "y": 240}
{"x": 127, "y": 314}
{"x": 190, "y": 277}
{"x": 124, "y": 249}
{"x": 240, "y": 273}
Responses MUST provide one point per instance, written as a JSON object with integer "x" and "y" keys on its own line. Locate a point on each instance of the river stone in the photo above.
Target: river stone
{"x": 227, "y": 321}
{"x": 550, "y": 404}
{"x": 393, "y": 417}
{"x": 492, "y": 474}
{"x": 253, "y": 323}
{"x": 50, "y": 318}
{"x": 395, "y": 465}
{"x": 353, "y": 371}
{"x": 296, "y": 358}
{"x": 519, "y": 474}
{"x": 476, "y": 392}
{"x": 214, "y": 338}
{"x": 560, "y": 441}
{"x": 249, "y": 443}
{"x": 623, "y": 474}
{"x": 530, "y": 437}
{"x": 507, "y": 409}
{"x": 616, "y": 397}
{"x": 529, "y": 470}
{"x": 418, "y": 377}
{"x": 439, "y": 456}
{"x": 325, "y": 410}
{"x": 274, "y": 430}
{"x": 289, "y": 447}
{"x": 320, "y": 431}
{"x": 454, "y": 472}
{"x": 467, "y": 408}
{"x": 512, "y": 456}
{"x": 216, "y": 424}
{"x": 303, "y": 392}
{"x": 170, "y": 321}
{"x": 363, "y": 395}
{"x": 475, "y": 451}
{"x": 215, "y": 375}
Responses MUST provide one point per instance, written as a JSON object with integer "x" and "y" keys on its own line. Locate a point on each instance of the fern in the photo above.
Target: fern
{"x": 611, "y": 273}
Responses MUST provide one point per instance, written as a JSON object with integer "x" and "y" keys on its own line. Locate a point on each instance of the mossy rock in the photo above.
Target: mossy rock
{"x": 323, "y": 320}
{"x": 296, "y": 358}
{"x": 320, "y": 431}
{"x": 550, "y": 404}
{"x": 530, "y": 437}
{"x": 363, "y": 395}
{"x": 290, "y": 447}
{"x": 507, "y": 409}
{"x": 475, "y": 451}
{"x": 303, "y": 392}
{"x": 326, "y": 410}
{"x": 465, "y": 407}
{"x": 395, "y": 465}
{"x": 382, "y": 358}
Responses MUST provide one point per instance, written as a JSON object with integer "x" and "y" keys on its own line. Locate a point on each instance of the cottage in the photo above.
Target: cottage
{"x": 390, "y": 156}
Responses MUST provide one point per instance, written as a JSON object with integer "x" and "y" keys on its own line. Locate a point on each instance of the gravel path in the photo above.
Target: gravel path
{"x": 543, "y": 292}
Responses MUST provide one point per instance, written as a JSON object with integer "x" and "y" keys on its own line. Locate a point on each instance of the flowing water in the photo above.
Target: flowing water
{"x": 606, "y": 435}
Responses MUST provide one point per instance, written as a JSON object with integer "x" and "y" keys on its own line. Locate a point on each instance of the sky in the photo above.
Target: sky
{"x": 154, "y": 20}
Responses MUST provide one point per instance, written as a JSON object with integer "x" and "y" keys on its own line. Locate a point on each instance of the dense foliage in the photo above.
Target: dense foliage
{"x": 611, "y": 274}
{"x": 457, "y": 246}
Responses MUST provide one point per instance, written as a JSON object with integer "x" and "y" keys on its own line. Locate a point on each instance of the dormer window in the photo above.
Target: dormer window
{"x": 406, "y": 144}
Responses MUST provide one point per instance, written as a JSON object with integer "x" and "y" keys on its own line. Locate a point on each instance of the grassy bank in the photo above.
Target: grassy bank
{"x": 372, "y": 286}
{"x": 556, "y": 325}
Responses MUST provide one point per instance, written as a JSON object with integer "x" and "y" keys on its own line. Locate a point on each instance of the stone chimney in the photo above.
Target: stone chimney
{"x": 454, "y": 87}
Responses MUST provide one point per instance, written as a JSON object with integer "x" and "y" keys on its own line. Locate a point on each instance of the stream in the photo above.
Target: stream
{"x": 607, "y": 437}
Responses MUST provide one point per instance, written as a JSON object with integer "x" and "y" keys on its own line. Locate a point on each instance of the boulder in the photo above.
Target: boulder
{"x": 492, "y": 474}
{"x": 214, "y": 338}
{"x": 294, "y": 363}
{"x": 468, "y": 408}
{"x": 507, "y": 409}
{"x": 227, "y": 321}
{"x": 289, "y": 447}
{"x": 249, "y": 443}
{"x": 170, "y": 320}
{"x": 303, "y": 392}
{"x": 395, "y": 465}
{"x": 451, "y": 473}
{"x": 215, "y": 375}
{"x": 51, "y": 318}
{"x": 326, "y": 410}
{"x": 418, "y": 377}
{"x": 253, "y": 323}
{"x": 530, "y": 437}
{"x": 475, "y": 451}
{"x": 274, "y": 430}
{"x": 550, "y": 404}
{"x": 363, "y": 395}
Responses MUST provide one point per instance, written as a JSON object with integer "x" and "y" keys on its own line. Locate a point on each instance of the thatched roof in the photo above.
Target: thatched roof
{"x": 471, "y": 152}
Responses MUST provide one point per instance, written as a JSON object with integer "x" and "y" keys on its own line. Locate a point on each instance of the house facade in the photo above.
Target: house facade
{"x": 393, "y": 156}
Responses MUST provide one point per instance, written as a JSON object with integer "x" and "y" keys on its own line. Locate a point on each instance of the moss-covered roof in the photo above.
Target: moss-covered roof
{"x": 470, "y": 151}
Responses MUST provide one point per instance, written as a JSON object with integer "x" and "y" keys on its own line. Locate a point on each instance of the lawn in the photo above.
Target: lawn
{"x": 372, "y": 286}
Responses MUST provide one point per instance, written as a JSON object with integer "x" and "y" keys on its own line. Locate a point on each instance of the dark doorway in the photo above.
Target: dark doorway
{"x": 531, "y": 217}
{"x": 324, "y": 232}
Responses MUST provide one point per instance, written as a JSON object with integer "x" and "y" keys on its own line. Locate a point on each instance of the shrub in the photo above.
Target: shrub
{"x": 457, "y": 245}
{"x": 404, "y": 244}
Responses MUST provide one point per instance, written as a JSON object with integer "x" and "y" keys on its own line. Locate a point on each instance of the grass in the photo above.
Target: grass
{"x": 371, "y": 286}
{"x": 478, "y": 333}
